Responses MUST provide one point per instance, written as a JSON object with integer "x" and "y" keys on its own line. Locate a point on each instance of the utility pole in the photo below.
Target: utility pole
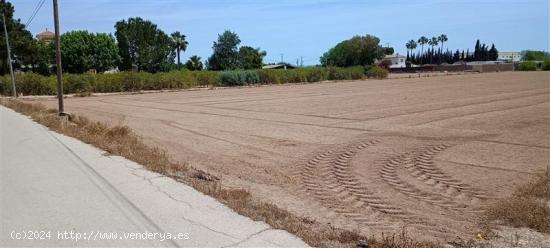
{"x": 61, "y": 108}
{"x": 9, "y": 56}
{"x": 301, "y": 61}
{"x": 282, "y": 56}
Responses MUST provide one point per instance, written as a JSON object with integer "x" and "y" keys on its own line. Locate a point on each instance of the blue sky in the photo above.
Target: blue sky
{"x": 309, "y": 27}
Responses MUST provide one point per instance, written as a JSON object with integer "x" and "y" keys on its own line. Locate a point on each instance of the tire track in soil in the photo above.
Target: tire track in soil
{"x": 423, "y": 168}
{"x": 314, "y": 177}
{"x": 328, "y": 177}
{"x": 444, "y": 191}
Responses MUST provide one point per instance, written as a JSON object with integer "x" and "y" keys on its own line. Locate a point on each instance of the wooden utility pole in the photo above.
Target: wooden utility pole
{"x": 61, "y": 108}
{"x": 9, "y": 56}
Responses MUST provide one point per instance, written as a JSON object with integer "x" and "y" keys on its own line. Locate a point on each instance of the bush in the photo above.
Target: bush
{"x": 77, "y": 83}
{"x": 315, "y": 74}
{"x": 377, "y": 72}
{"x": 238, "y": 78}
{"x": 172, "y": 80}
{"x": 351, "y": 73}
{"x": 83, "y": 84}
{"x": 31, "y": 84}
{"x": 546, "y": 65}
{"x": 268, "y": 76}
{"x": 205, "y": 78}
{"x": 356, "y": 72}
{"x": 528, "y": 66}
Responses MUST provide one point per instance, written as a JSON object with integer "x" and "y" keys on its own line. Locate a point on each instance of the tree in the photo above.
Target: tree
{"x": 422, "y": 41}
{"x": 194, "y": 63}
{"x": 477, "y": 51}
{"x": 42, "y": 57}
{"x": 456, "y": 56}
{"x": 179, "y": 43}
{"x": 226, "y": 53}
{"x": 21, "y": 40}
{"x": 388, "y": 50}
{"x": 492, "y": 54}
{"x": 535, "y": 55}
{"x": 432, "y": 42}
{"x": 411, "y": 45}
{"x": 83, "y": 51}
{"x": 442, "y": 38}
{"x": 359, "y": 50}
{"x": 251, "y": 58}
{"x": 105, "y": 52}
{"x": 143, "y": 46}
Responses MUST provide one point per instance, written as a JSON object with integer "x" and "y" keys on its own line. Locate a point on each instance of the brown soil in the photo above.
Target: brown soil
{"x": 422, "y": 153}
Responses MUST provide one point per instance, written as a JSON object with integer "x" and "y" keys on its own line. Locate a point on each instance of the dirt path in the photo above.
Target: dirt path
{"x": 425, "y": 153}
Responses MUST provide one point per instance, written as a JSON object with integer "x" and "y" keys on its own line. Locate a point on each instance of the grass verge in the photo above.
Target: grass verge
{"x": 528, "y": 206}
{"x": 122, "y": 141}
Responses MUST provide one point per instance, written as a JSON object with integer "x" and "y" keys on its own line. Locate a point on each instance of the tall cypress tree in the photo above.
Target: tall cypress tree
{"x": 456, "y": 56}
{"x": 484, "y": 56}
{"x": 477, "y": 51}
{"x": 493, "y": 53}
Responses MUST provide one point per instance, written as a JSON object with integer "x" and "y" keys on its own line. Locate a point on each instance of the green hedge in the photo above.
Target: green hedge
{"x": 528, "y": 66}
{"x": 34, "y": 84}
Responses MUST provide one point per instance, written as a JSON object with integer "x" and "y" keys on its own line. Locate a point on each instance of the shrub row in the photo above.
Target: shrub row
{"x": 34, "y": 84}
{"x": 528, "y": 66}
{"x": 532, "y": 65}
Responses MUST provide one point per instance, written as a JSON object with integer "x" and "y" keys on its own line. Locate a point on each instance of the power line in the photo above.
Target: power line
{"x": 38, "y": 7}
{"x": 33, "y": 11}
{"x": 33, "y": 15}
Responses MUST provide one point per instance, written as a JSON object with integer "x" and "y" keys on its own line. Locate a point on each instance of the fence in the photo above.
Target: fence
{"x": 456, "y": 68}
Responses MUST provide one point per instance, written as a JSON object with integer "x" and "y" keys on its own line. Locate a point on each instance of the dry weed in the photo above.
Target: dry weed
{"x": 529, "y": 206}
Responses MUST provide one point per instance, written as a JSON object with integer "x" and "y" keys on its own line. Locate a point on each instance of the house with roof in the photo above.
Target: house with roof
{"x": 393, "y": 61}
{"x": 283, "y": 66}
{"x": 509, "y": 56}
{"x": 46, "y": 36}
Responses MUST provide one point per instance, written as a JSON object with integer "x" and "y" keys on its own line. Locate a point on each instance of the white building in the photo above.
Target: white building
{"x": 509, "y": 56}
{"x": 395, "y": 60}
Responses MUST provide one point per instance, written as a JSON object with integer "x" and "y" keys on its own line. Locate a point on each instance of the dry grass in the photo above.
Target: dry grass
{"x": 122, "y": 141}
{"x": 529, "y": 206}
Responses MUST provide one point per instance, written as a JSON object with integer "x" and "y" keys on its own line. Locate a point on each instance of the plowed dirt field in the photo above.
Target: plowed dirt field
{"x": 377, "y": 155}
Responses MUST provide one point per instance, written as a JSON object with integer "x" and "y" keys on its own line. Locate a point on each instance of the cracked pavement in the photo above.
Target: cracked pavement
{"x": 54, "y": 183}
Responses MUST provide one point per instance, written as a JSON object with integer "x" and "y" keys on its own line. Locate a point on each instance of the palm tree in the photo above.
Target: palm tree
{"x": 442, "y": 38}
{"x": 194, "y": 63}
{"x": 433, "y": 42}
{"x": 179, "y": 43}
{"x": 422, "y": 41}
{"x": 411, "y": 45}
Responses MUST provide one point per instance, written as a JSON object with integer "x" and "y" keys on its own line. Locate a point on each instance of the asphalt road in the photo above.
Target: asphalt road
{"x": 58, "y": 191}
